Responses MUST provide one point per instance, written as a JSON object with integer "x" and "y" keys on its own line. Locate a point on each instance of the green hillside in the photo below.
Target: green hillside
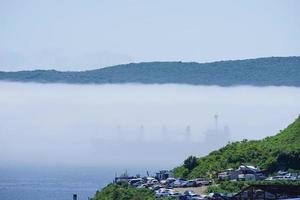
{"x": 277, "y": 71}
{"x": 123, "y": 192}
{"x": 281, "y": 151}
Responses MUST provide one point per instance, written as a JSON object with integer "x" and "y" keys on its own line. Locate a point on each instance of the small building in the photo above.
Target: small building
{"x": 164, "y": 174}
{"x": 248, "y": 172}
{"x": 123, "y": 179}
{"x": 229, "y": 174}
{"x": 244, "y": 172}
{"x": 283, "y": 175}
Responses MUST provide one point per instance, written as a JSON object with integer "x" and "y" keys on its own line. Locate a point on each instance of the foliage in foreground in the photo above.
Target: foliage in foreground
{"x": 237, "y": 186}
{"x": 123, "y": 192}
{"x": 281, "y": 151}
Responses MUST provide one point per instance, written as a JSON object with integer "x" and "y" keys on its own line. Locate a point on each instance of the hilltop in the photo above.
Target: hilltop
{"x": 272, "y": 71}
{"x": 279, "y": 152}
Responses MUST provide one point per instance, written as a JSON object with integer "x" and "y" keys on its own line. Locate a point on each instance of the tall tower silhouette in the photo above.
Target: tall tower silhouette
{"x": 188, "y": 133}
{"x": 141, "y": 133}
{"x": 119, "y": 132}
{"x": 216, "y": 122}
{"x": 164, "y": 133}
{"x": 227, "y": 133}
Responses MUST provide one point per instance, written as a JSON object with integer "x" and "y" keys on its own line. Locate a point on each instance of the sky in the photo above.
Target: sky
{"x": 82, "y": 35}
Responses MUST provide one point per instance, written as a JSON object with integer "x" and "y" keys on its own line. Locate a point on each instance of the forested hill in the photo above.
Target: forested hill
{"x": 277, "y": 71}
{"x": 279, "y": 152}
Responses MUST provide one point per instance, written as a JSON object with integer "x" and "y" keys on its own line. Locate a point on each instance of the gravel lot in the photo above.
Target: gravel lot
{"x": 198, "y": 190}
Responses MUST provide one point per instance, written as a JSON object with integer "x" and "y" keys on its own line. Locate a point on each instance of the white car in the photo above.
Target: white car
{"x": 179, "y": 182}
{"x": 191, "y": 195}
{"x": 201, "y": 181}
{"x": 162, "y": 192}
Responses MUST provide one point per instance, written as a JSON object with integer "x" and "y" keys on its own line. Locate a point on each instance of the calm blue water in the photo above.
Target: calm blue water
{"x": 17, "y": 183}
{"x": 55, "y": 183}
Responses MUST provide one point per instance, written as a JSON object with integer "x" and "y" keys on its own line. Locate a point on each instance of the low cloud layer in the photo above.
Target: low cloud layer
{"x": 133, "y": 124}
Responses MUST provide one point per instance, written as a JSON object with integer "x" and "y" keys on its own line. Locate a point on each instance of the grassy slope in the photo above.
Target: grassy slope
{"x": 281, "y": 151}
{"x": 123, "y": 192}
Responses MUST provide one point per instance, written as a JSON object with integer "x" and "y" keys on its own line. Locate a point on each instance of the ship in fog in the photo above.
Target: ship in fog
{"x": 165, "y": 146}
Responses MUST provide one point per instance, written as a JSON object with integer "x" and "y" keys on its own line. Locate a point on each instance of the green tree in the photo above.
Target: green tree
{"x": 190, "y": 163}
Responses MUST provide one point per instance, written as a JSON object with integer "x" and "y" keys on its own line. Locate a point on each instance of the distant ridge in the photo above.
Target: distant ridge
{"x": 272, "y": 71}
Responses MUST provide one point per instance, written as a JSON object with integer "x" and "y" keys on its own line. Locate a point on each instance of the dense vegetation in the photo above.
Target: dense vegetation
{"x": 237, "y": 186}
{"x": 123, "y": 192}
{"x": 281, "y": 151}
{"x": 277, "y": 71}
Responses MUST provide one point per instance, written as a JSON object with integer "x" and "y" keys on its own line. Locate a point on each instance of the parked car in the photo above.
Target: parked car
{"x": 190, "y": 183}
{"x": 190, "y": 195}
{"x": 137, "y": 184}
{"x": 202, "y": 181}
{"x": 152, "y": 181}
{"x": 144, "y": 185}
{"x": 169, "y": 183}
{"x": 179, "y": 182}
{"x": 162, "y": 192}
{"x": 135, "y": 181}
{"x": 217, "y": 196}
{"x": 155, "y": 187}
{"x": 172, "y": 193}
{"x": 170, "y": 180}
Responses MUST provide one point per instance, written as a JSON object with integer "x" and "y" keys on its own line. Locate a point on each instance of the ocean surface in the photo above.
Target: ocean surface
{"x": 53, "y": 183}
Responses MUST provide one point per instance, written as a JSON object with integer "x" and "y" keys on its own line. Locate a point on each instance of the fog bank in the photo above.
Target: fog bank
{"x": 134, "y": 124}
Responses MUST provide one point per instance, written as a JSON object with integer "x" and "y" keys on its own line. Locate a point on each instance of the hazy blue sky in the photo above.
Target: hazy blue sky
{"x": 70, "y": 34}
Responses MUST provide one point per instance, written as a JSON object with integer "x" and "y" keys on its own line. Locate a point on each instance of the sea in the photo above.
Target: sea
{"x": 56, "y": 183}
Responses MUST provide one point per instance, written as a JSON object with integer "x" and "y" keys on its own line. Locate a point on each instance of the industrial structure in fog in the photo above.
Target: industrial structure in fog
{"x": 166, "y": 143}
{"x": 217, "y": 137}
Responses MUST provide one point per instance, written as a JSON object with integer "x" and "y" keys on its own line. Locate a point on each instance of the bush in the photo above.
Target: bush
{"x": 123, "y": 191}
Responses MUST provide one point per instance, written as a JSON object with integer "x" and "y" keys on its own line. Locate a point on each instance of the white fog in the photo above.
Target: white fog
{"x": 132, "y": 124}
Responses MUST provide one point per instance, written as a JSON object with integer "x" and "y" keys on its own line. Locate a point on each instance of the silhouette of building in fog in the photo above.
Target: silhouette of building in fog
{"x": 141, "y": 133}
{"x": 216, "y": 137}
{"x": 187, "y": 133}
